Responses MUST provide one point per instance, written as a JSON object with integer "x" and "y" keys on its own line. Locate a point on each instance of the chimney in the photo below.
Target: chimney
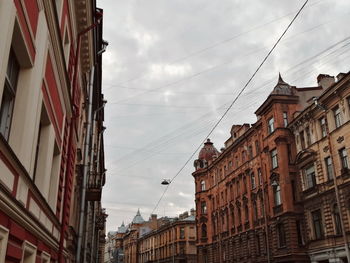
{"x": 340, "y": 76}
{"x": 325, "y": 81}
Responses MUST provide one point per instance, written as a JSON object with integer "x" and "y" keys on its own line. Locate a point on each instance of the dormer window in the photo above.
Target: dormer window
{"x": 270, "y": 127}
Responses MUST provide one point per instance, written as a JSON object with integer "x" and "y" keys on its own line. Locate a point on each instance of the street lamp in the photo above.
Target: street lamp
{"x": 166, "y": 182}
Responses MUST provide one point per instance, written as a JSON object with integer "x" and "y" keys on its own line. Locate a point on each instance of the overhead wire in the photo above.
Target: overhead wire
{"x": 209, "y": 69}
{"x": 233, "y": 102}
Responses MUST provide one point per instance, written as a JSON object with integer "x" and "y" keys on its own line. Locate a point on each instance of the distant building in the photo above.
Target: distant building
{"x": 174, "y": 241}
{"x": 249, "y": 199}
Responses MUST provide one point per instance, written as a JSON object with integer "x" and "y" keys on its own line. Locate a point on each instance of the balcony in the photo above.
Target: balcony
{"x": 94, "y": 188}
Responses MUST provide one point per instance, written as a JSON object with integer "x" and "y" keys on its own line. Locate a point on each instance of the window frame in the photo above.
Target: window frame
{"x": 307, "y": 175}
{"x": 270, "y": 125}
{"x": 329, "y": 168}
{"x": 323, "y": 126}
{"x": 277, "y": 195}
{"x": 338, "y": 121}
{"x": 317, "y": 223}
{"x": 281, "y": 233}
{"x": 9, "y": 94}
{"x": 274, "y": 158}
{"x": 343, "y": 156}
{"x": 285, "y": 119}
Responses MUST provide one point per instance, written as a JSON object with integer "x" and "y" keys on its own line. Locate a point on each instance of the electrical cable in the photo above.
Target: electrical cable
{"x": 233, "y": 102}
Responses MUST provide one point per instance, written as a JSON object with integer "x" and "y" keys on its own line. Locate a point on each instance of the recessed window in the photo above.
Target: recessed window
{"x": 343, "y": 155}
{"x": 252, "y": 180}
{"x": 274, "y": 160}
{"x": 182, "y": 232}
{"x": 337, "y": 117}
{"x": 257, "y": 147}
{"x": 204, "y": 207}
{"x": 317, "y": 224}
{"x": 285, "y": 119}
{"x": 323, "y": 127}
{"x": 270, "y": 125}
{"x": 204, "y": 231}
{"x": 260, "y": 176}
{"x": 8, "y": 96}
{"x": 329, "y": 167}
{"x": 281, "y": 235}
{"x": 337, "y": 223}
{"x": 310, "y": 176}
{"x": 203, "y": 185}
{"x": 302, "y": 140}
{"x": 277, "y": 194}
{"x": 308, "y": 136}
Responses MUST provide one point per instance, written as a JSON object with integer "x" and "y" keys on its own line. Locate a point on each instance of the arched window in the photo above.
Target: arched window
{"x": 204, "y": 230}
{"x": 337, "y": 223}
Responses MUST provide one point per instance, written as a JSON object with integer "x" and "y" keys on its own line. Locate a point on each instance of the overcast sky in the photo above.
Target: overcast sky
{"x": 173, "y": 66}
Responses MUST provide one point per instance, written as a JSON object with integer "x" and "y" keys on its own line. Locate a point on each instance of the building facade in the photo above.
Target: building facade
{"x": 248, "y": 197}
{"x": 50, "y": 72}
{"x": 174, "y": 241}
{"x": 322, "y": 133}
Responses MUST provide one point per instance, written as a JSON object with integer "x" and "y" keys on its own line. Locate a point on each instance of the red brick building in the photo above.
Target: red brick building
{"x": 247, "y": 197}
{"x": 48, "y": 50}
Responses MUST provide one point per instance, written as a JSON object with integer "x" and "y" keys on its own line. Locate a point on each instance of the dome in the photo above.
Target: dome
{"x": 208, "y": 151}
{"x": 138, "y": 218}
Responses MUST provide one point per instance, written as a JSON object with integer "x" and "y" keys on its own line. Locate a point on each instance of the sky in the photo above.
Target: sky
{"x": 172, "y": 68}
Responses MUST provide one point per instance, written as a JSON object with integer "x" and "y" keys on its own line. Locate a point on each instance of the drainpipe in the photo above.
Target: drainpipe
{"x": 86, "y": 169}
{"x": 93, "y": 135}
{"x": 266, "y": 207}
{"x": 336, "y": 189}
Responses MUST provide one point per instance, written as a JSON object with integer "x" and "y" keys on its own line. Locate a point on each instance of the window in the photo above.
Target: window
{"x": 337, "y": 117}
{"x": 317, "y": 224}
{"x": 182, "y": 232}
{"x": 246, "y": 211}
{"x": 237, "y": 188}
{"x": 281, "y": 235}
{"x": 232, "y": 217}
{"x": 257, "y": 147}
{"x": 323, "y": 127}
{"x": 270, "y": 125}
{"x": 329, "y": 167}
{"x": 308, "y": 136}
{"x": 243, "y": 156}
{"x": 239, "y": 215}
{"x": 203, "y": 185}
{"x": 285, "y": 119}
{"x": 8, "y": 96}
{"x": 277, "y": 193}
{"x": 337, "y": 223}
{"x": 343, "y": 158}
{"x": 310, "y": 177}
{"x": 274, "y": 160}
{"x": 204, "y": 231}
{"x": 299, "y": 233}
{"x": 244, "y": 184}
{"x": 255, "y": 211}
{"x": 252, "y": 180}
{"x": 250, "y": 152}
{"x": 260, "y": 176}
{"x": 204, "y": 207}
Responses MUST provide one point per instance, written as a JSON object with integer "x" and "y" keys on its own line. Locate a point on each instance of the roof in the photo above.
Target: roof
{"x": 122, "y": 229}
{"x": 282, "y": 88}
{"x": 208, "y": 151}
{"x": 190, "y": 218}
{"x": 138, "y": 218}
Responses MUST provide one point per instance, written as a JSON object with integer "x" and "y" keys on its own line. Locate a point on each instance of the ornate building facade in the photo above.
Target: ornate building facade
{"x": 50, "y": 86}
{"x": 322, "y": 133}
{"x": 248, "y": 196}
